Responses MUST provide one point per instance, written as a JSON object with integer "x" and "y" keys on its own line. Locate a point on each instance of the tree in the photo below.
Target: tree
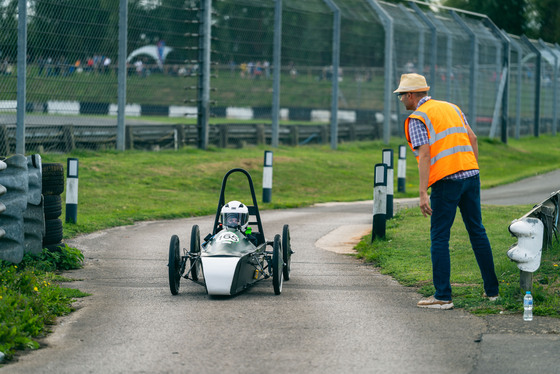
{"x": 547, "y": 20}
{"x": 8, "y": 30}
{"x": 534, "y": 18}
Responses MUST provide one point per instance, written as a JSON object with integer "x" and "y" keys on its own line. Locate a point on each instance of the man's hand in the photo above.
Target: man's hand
{"x": 425, "y": 204}
{"x": 424, "y": 176}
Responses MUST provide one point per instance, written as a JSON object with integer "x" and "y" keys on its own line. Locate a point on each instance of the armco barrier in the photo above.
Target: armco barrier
{"x": 33, "y": 217}
{"x": 542, "y": 223}
{"x": 16, "y": 180}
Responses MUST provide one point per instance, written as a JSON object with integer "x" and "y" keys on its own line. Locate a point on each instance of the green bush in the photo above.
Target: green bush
{"x": 30, "y": 299}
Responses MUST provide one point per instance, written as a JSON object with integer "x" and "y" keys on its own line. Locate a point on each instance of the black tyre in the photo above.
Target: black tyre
{"x": 277, "y": 265}
{"x": 195, "y": 249}
{"x": 174, "y": 265}
{"x": 53, "y": 231}
{"x": 53, "y": 206}
{"x": 286, "y": 251}
{"x": 53, "y": 179}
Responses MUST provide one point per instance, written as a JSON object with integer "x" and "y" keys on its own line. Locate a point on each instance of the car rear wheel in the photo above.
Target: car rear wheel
{"x": 174, "y": 265}
{"x": 286, "y": 251}
{"x": 277, "y": 265}
{"x": 195, "y": 250}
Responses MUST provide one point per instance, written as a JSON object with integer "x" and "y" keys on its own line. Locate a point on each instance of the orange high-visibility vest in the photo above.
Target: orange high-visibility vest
{"x": 450, "y": 147}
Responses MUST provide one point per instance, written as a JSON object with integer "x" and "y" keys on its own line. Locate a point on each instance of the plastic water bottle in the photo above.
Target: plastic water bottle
{"x": 528, "y": 307}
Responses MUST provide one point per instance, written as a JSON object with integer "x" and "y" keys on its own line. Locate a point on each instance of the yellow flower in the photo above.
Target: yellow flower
{"x": 555, "y": 264}
{"x": 35, "y": 289}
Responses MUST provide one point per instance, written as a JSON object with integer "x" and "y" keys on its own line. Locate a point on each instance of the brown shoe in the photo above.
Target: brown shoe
{"x": 433, "y": 303}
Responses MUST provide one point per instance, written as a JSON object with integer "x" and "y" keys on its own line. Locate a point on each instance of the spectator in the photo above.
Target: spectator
{"x": 446, "y": 149}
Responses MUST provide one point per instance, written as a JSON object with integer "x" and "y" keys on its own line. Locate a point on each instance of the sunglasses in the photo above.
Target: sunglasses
{"x": 400, "y": 94}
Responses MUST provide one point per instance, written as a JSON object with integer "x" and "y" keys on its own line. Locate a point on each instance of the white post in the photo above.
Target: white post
{"x": 267, "y": 177}
{"x": 388, "y": 160}
{"x": 379, "y": 201}
{"x": 72, "y": 190}
{"x": 401, "y": 174}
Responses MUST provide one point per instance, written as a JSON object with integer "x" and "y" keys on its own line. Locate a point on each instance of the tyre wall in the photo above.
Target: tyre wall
{"x": 33, "y": 217}
{"x": 16, "y": 180}
{"x": 53, "y": 187}
{"x": 22, "y": 209}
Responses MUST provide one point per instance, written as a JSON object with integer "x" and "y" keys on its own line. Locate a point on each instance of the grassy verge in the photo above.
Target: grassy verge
{"x": 121, "y": 188}
{"x": 31, "y": 297}
{"x": 405, "y": 255}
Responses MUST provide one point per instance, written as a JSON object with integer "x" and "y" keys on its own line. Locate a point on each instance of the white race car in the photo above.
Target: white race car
{"x": 233, "y": 257}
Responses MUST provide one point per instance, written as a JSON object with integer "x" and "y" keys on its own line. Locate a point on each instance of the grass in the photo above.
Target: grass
{"x": 31, "y": 297}
{"x": 119, "y": 188}
{"x": 122, "y": 188}
{"x": 405, "y": 255}
{"x": 229, "y": 89}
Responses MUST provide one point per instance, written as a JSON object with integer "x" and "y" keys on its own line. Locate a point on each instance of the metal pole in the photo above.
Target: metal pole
{"x": 433, "y": 42}
{"x": 387, "y": 22}
{"x": 335, "y": 66}
{"x": 448, "y": 54}
{"x": 277, "y": 62}
{"x": 421, "y": 36}
{"x": 554, "y": 85}
{"x": 121, "y": 100}
{"x": 518, "y": 90}
{"x": 21, "y": 76}
{"x": 204, "y": 73}
{"x": 537, "y": 118}
{"x": 474, "y": 69}
{"x": 506, "y": 44}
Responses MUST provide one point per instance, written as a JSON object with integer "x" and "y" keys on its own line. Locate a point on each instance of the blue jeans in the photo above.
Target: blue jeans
{"x": 446, "y": 196}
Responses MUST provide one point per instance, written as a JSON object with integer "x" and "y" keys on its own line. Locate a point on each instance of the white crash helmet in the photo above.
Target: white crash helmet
{"x": 235, "y": 214}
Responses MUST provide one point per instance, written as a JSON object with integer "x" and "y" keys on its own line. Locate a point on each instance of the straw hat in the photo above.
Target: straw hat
{"x": 412, "y": 83}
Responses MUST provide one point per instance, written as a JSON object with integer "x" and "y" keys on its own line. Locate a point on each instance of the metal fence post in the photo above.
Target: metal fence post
{"x": 538, "y": 77}
{"x": 474, "y": 69}
{"x": 387, "y": 22}
{"x": 204, "y": 77}
{"x": 336, "y": 66}
{"x": 277, "y": 62}
{"x": 433, "y": 46}
{"x": 554, "y": 85}
{"x": 21, "y": 76}
{"x": 379, "y": 201}
{"x": 505, "y": 79}
{"x": 122, "y": 73}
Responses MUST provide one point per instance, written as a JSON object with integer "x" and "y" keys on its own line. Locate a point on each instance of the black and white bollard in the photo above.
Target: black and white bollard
{"x": 379, "y": 201}
{"x": 401, "y": 172}
{"x": 267, "y": 177}
{"x": 72, "y": 190}
{"x": 388, "y": 160}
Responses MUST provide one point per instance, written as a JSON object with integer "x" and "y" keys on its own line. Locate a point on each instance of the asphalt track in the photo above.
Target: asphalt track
{"x": 335, "y": 315}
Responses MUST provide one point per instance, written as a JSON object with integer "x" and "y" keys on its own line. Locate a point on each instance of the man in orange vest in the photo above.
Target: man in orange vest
{"x": 446, "y": 149}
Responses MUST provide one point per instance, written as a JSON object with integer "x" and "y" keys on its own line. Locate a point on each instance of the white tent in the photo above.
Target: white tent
{"x": 150, "y": 50}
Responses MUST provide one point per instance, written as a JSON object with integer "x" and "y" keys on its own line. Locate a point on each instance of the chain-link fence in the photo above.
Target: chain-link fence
{"x": 326, "y": 48}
